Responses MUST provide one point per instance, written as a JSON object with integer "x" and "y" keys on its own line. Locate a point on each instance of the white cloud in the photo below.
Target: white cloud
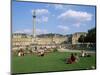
{"x": 41, "y": 31}
{"x": 43, "y": 19}
{"x": 63, "y": 28}
{"x": 76, "y": 17}
{"x": 58, "y": 6}
{"x": 41, "y": 11}
{"x": 53, "y": 15}
{"x": 24, "y": 31}
{"x": 38, "y": 20}
{"x": 77, "y": 25}
{"x": 29, "y": 31}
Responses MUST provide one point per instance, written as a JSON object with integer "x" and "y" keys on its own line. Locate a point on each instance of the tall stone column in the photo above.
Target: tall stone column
{"x": 34, "y": 26}
{"x": 34, "y": 23}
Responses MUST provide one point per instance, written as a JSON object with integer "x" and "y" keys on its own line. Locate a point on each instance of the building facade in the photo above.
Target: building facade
{"x": 76, "y": 36}
{"x": 20, "y": 40}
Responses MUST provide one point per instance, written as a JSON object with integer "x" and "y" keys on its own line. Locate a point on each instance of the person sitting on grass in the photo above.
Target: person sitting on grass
{"x": 41, "y": 52}
{"x": 71, "y": 59}
{"x": 77, "y": 57}
{"x": 82, "y": 53}
{"x": 21, "y": 52}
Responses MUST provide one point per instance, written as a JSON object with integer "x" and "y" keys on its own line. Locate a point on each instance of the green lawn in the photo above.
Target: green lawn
{"x": 50, "y": 62}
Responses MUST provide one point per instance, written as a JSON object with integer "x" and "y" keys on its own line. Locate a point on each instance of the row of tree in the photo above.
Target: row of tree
{"x": 90, "y": 37}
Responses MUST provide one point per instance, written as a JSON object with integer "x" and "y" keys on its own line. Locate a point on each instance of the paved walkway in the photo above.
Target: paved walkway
{"x": 68, "y": 50}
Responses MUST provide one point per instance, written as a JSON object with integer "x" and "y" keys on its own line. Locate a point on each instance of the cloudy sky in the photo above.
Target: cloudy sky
{"x": 52, "y": 18}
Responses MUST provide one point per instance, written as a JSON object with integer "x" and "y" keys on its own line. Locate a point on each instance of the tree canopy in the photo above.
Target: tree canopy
{"x": 90, "y": 37}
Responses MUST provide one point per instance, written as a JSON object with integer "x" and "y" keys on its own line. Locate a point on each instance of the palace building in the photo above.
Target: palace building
{"x": 21, "y": 40}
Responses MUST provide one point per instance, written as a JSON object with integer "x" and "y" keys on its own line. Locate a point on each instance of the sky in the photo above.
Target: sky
{"x": 52, "y": 18}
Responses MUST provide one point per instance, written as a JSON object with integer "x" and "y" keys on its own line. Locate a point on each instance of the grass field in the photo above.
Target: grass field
{"x": 50, "y": 62}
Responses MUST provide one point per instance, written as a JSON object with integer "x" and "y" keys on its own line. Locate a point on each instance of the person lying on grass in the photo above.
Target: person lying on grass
{"x": 85, "y": 54}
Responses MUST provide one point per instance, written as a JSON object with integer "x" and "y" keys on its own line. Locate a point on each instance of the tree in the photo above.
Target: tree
{"x": 81, "y": 39}
{"x": 91, "y": 36}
